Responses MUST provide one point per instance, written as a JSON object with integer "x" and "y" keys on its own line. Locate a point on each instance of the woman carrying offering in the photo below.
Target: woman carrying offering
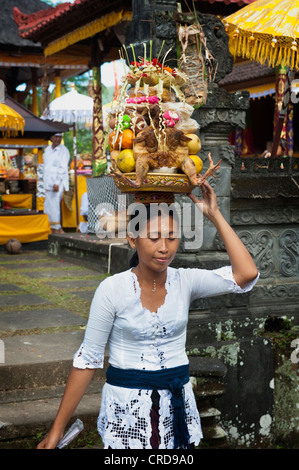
{"x": 147, "y": 401}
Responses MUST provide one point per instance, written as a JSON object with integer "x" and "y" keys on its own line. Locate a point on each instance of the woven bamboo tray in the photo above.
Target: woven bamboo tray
{"x": 157, "y": 182}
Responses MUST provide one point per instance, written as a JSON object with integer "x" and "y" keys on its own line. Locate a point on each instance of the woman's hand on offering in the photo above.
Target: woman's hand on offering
{"x": 208, "y": 204}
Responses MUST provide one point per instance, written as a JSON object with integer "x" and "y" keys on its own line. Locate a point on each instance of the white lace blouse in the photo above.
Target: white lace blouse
{"x": 140, "y": 339}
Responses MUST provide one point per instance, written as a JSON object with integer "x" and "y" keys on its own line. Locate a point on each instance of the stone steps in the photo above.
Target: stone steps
{"x": 31, "y": 390}
{"x": 35, "y": 359}
{"x": 24, "y": 422}
{"x": 34, "y": 367}
{"x": 207, "y": 378}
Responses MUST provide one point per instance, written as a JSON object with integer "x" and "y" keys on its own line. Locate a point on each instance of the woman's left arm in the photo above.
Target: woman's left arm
{"x": 243, "y": 266}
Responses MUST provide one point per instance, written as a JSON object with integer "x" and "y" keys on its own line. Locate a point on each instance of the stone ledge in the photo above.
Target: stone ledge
{"x": 90, "y": 251}
{"x": 204, "y": 366}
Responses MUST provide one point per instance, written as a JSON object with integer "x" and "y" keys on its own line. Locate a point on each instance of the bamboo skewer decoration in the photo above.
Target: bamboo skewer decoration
{"x": 197, "y": 62}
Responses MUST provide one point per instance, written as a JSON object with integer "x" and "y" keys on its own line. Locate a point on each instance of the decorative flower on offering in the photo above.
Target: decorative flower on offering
{"x": 157, "y": 155}
{"x": 151, "y": 72}
{"x": 171, "y": 118}
{"x": 143, "y": 99}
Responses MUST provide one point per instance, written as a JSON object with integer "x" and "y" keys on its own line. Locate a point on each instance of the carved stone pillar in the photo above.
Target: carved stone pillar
{"x": 218, "y": 117}
{"x": 221, "y": 114}
{"x": 151, "y": 22}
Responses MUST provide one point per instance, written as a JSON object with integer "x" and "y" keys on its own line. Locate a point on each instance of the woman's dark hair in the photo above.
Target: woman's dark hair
{"x": 148, "y": 213}
{"x": 134, "y": 261}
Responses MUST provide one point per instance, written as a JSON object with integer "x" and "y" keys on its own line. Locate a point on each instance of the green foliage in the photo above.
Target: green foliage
{"x": 84, "y": 141}
{"x": 281, "y": 332}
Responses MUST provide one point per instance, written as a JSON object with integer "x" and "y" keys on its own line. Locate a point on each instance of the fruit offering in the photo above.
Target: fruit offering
{"x": 151, "y": 128}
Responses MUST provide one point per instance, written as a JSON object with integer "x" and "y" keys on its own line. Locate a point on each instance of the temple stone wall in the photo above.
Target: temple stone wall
{"x": 258, "y": 405}
{"x": 259, "y": 198}
{"x": 255, "y": 334}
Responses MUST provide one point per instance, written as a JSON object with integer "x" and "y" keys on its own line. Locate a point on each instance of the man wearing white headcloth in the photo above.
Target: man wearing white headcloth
{"x": 56, "y": 180}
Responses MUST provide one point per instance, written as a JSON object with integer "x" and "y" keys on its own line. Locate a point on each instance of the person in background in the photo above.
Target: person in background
{"x": 83, "y": 226}
{"x": 56, "y": 180}
{"x": 282, "y": 149}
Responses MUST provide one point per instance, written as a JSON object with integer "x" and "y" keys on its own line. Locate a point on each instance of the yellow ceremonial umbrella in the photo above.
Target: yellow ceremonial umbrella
{"x": 11, "y": 122}
{"x": 266, "y": 30}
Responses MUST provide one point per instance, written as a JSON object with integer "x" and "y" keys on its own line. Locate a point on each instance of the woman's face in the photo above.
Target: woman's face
{"x": 157, "y": 243}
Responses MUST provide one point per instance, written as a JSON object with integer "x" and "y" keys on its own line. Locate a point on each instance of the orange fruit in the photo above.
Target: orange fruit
{"x": 127, "y": 139}
{"x": 114, "y": 145}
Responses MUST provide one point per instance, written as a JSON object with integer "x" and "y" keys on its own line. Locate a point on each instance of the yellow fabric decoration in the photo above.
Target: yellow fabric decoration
{"x": 18, "y": 200}
{"x": 87, "y": 31}
{"x": 26, "y": 228}
{"x": 40, "y": 203}
{"x": 266, "y": 31}
{"x": 69, "y": 217}
{"x": 26, "y": 143}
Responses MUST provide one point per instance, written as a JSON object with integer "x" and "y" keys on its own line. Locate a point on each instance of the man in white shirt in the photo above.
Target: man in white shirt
{"x": 56, "y": 180}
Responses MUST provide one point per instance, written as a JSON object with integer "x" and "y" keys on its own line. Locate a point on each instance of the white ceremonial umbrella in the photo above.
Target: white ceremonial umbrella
{"x": 77, "y": 110}
{"x": 71, "y": 107}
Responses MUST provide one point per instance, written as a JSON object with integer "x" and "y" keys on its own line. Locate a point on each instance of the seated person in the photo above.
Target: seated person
{"x": 282, "y": 149}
